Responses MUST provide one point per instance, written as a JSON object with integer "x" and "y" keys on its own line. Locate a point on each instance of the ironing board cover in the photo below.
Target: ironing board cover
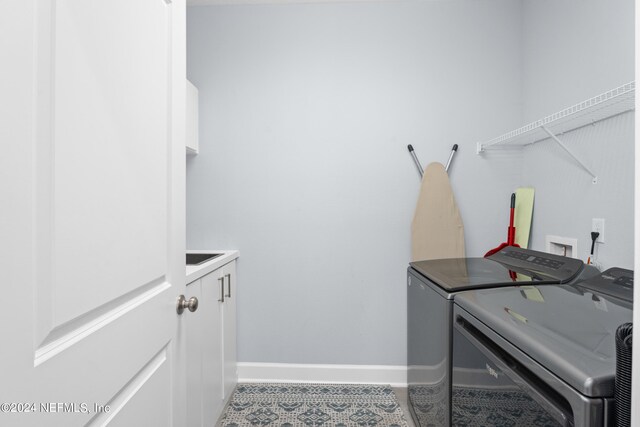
{"x": 436, "y": 231}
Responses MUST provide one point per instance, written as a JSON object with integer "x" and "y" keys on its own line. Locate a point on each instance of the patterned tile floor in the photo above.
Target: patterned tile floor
{"x": 402, "y": 394}
{"x": 291, "y": 405}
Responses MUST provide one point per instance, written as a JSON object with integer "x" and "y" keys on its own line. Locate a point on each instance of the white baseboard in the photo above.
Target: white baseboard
{"x": 395, "y": 376}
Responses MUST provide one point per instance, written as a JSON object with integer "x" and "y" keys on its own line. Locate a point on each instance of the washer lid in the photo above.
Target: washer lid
{"x": 569, "y": 329}
{"x": 508, "y": 267}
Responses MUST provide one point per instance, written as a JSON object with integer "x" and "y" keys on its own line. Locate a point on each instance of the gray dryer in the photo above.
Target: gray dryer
{"x": 539, "y": 356}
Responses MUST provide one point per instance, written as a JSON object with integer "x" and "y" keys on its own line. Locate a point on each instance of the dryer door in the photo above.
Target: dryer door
{"x": 490, "y": 387}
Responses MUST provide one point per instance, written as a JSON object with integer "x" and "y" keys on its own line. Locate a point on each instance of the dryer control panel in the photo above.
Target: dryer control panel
{"x": 615, "y": 282}
{"x": 561, "y": 268}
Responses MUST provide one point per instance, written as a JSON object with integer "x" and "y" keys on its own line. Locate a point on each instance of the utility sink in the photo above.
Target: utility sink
{"x": 195, "y": 259}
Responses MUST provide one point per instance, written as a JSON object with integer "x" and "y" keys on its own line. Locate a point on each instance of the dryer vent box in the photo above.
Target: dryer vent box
{"x": 563, "y": 246}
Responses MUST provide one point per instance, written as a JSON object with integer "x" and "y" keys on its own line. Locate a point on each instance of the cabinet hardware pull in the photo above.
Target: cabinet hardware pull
{"x": 221, "y": 279}
{"x": 228, "y": 276}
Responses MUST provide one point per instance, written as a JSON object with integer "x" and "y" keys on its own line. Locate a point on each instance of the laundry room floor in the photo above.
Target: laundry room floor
{"x": 290, "y": 405}
{"x": 402, "y": 394}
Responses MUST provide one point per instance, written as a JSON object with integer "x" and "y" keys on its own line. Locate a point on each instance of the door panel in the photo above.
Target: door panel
{"x": 138, "y": 401}
{"x": 110, "y": 92}
{"x": 92, "y": 237}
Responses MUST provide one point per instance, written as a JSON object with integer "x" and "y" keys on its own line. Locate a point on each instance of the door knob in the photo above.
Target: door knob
{"x": 191, "y": 304}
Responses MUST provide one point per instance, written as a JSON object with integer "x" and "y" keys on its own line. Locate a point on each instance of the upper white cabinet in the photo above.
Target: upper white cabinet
{"x": 192, "y": 118}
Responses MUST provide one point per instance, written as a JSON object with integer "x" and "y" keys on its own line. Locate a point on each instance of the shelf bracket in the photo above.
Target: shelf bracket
{"x": 565, "y": 148}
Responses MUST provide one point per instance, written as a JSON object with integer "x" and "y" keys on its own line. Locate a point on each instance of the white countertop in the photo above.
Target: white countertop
{"x": 194, "y": 272}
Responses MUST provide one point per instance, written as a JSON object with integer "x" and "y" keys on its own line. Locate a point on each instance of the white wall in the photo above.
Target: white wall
{"x": 305, "y": 114}
{"x": 573, "y": 50}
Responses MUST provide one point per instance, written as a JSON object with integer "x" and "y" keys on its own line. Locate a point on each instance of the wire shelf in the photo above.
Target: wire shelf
{"x": 601, "y": 107}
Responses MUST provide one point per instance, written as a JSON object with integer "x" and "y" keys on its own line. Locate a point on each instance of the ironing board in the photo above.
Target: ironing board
{"x": 436, "y": 231}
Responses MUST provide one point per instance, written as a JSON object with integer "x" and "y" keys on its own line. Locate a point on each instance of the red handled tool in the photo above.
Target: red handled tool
{"x": 511, "y": 231}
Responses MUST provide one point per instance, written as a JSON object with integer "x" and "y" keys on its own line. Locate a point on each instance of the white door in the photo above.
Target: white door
{"x": 91, "y": 212}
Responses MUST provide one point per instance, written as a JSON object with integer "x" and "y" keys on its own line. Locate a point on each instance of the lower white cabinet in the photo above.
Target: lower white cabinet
{"x": 211, "y": 345}
{"x": 229, "y": 358}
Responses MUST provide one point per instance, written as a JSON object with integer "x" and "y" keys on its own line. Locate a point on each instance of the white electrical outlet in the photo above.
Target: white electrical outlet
{"x": 597, "y": 224}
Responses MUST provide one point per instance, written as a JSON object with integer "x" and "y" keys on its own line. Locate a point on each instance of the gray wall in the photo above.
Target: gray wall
{"x": 305, "y": 114}
{"x": 576, "y": 49}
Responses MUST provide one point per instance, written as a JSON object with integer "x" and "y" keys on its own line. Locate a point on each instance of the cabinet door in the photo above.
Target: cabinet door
{"x": 211, "y": 305}
{"x": 195, "y": 332}
{"x": 229, "y": 358}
